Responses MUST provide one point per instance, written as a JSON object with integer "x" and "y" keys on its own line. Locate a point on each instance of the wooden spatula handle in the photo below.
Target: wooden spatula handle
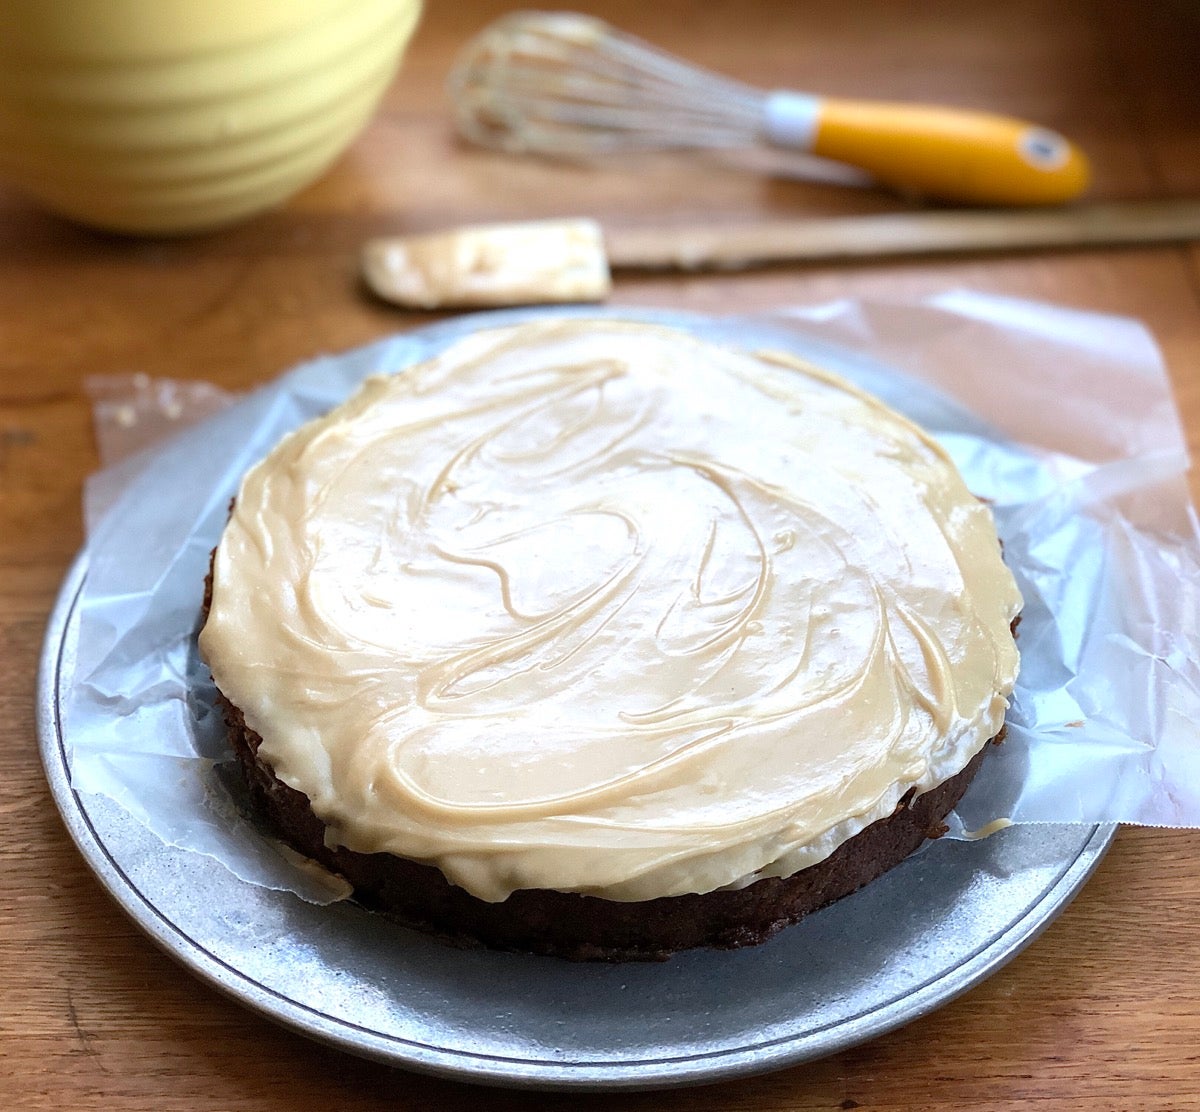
{"x": 713, "y": 247}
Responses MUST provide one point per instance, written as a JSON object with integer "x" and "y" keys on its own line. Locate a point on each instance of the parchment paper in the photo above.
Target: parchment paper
{"x": 1063, "y": 419}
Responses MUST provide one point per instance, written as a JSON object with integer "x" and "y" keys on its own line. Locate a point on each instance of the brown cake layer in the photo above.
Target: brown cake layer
{"x": 588, "y": 928}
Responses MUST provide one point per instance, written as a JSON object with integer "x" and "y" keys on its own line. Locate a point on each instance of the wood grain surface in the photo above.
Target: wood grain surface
{"x": 1102, "y": 1012}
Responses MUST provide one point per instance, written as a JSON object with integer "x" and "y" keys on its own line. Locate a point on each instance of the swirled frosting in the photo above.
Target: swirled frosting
{"x": 598, "y": 607}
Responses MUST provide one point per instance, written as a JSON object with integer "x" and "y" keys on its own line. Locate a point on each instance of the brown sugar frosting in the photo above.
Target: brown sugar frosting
{"x": 597, "y": 607}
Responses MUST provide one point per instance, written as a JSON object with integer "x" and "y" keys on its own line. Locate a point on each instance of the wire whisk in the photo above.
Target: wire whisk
{"x": 569, "y": 85}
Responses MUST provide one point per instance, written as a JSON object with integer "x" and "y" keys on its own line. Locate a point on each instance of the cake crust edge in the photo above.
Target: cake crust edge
{"x": 589, "y": 928}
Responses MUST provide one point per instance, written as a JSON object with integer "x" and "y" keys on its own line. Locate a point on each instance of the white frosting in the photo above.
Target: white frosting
{"x": 594, "y": 606}
{"x": 491, "y": 264}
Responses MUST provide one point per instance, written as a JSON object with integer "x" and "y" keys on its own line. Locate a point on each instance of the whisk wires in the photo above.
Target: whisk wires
{"x": 569, "y": 85}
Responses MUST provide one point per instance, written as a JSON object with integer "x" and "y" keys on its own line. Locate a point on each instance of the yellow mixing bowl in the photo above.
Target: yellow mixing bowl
{"x": 163, "y": 116}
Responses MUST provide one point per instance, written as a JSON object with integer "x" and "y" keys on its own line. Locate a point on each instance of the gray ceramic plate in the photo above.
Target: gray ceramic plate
{"x": 909, "y": 942}
{"x": 906, "y": 944}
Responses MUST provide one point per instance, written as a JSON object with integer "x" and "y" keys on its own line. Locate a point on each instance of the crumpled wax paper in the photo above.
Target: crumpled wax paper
{"x": 1063, "y": 419}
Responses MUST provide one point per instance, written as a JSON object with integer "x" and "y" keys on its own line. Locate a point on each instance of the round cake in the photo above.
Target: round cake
{"x": 587, "y": 637}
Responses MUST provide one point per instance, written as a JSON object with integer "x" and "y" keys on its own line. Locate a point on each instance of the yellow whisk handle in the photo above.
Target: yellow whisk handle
{"x": 955, "y": 155}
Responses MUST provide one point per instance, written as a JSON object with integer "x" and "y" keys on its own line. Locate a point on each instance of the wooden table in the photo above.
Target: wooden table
{"x": 1102, "y": 1012}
